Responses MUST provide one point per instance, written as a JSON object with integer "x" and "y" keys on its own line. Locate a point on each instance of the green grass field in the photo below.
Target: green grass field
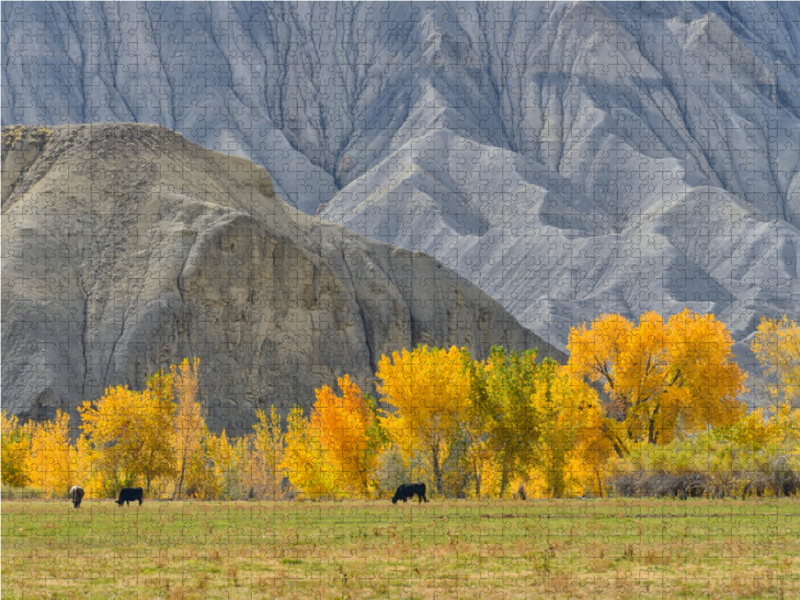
{"x": 544, "y": 549}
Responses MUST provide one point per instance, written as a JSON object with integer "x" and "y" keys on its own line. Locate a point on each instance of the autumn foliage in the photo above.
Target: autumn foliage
{"x": 131, "y": 434}
{"x": 662, "y": 378}
{"x": 430, "y": 391}
{"x": 51, "y": 461}
{"x": 660, "y": 396}
{"x": 334, "y": 453}
{"x": 190, "y": 427}
{"x": 777, "y": 347}
{"x": 345, "y": 426}
{"x": 268, "y": 442}
{"x": 15, "y": 446}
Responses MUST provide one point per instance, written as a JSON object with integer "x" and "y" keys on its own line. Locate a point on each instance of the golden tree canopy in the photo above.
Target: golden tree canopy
{"x": 777, "y": 347}
{"x": 131, "y": 432}
{"x": 15, "y": 443}
{"x": 303, "y": 458}
{"x": 51, "y": 462}
{"x": 571, "y": 421}
{"x": 662, "y": 378}
{"x": 430, "y": 390}
{"x": 190, "y": 426}
{"x": 344, "y": 426}
{"x": 268, "y": 452}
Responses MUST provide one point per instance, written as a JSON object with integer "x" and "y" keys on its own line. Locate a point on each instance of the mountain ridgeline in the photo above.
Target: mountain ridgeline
{"x": 127, "y": 248}
{"x": 570, "y": 159}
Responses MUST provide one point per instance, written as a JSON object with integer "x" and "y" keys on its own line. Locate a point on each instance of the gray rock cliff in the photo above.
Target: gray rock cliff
{"x": 126, "y": 248}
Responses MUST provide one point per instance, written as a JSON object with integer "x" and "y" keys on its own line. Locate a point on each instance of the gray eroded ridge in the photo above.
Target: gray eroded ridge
{"x": 126, "y": 247}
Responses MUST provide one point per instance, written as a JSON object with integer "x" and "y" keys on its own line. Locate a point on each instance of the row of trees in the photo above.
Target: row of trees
{"x": 467, "y": 428}
{"x": 126, "y": 437}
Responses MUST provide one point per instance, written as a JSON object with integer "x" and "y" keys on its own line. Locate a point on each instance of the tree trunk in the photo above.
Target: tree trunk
{"x": 503, "y": 482}
{"x": 599, "y": 483}
{"x": 437, "y": 470}
{"x": 651, "y": 430}
{"x": 178, "y": 491}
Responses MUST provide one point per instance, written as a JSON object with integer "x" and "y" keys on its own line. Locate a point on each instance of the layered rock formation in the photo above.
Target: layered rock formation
{"x": 127, "y": 248}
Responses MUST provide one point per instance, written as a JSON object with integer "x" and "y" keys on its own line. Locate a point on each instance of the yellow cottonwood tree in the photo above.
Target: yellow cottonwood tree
{"x": 51, "y": 461}
{"x": 89, "y": 471}
{"x": 199, "y": 477}
{"x": 777, "y": 347}
{"x": 755, "y": 430}
{"x": 570, "y": 415}
{"x": 15, "y": 444}
{"x": 660, "y": 376}
{"x": 304, "y": 459}
{"x": 131, "y": 433}
{"x": 228, "y": 460}
{"x": 345, "y": 426}
{"x": 430, "y": 390}
{"x": 785, "y": 420}
{"x": 268, "y": 452}
{"x": 190, "y": 426}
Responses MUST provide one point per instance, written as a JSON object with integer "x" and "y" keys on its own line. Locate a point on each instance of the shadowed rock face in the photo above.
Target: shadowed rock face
{"x": 127, "y": 248}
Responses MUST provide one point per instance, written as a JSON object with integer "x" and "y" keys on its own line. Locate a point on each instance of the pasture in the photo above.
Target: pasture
{"x": 619, "y": 548}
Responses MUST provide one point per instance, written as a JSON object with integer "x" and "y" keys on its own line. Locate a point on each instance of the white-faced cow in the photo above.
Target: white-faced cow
{"x": 128, "y": 495}
{"x": 76, "y": 495}
{"x": 408, "y": 490}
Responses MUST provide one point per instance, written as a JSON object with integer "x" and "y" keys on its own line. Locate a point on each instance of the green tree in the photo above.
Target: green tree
{"x": 510, "y": 419}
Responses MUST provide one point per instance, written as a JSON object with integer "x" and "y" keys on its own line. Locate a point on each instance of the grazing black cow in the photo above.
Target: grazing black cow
{"x": 128, "y": 495}
{"x": 408, "y": 490}
{"x": 521, "y": 492}
{"x": 76, "y": 495}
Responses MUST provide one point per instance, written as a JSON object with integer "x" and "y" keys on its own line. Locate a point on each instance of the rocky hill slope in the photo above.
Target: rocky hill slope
{"x": 570, "y": 159}
{"x": 126, "y": 248}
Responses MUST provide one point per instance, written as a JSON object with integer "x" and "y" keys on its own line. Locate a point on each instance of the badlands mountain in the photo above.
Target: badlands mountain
{"x": 126, "y": 248}
{"x": 571, "y": 159}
